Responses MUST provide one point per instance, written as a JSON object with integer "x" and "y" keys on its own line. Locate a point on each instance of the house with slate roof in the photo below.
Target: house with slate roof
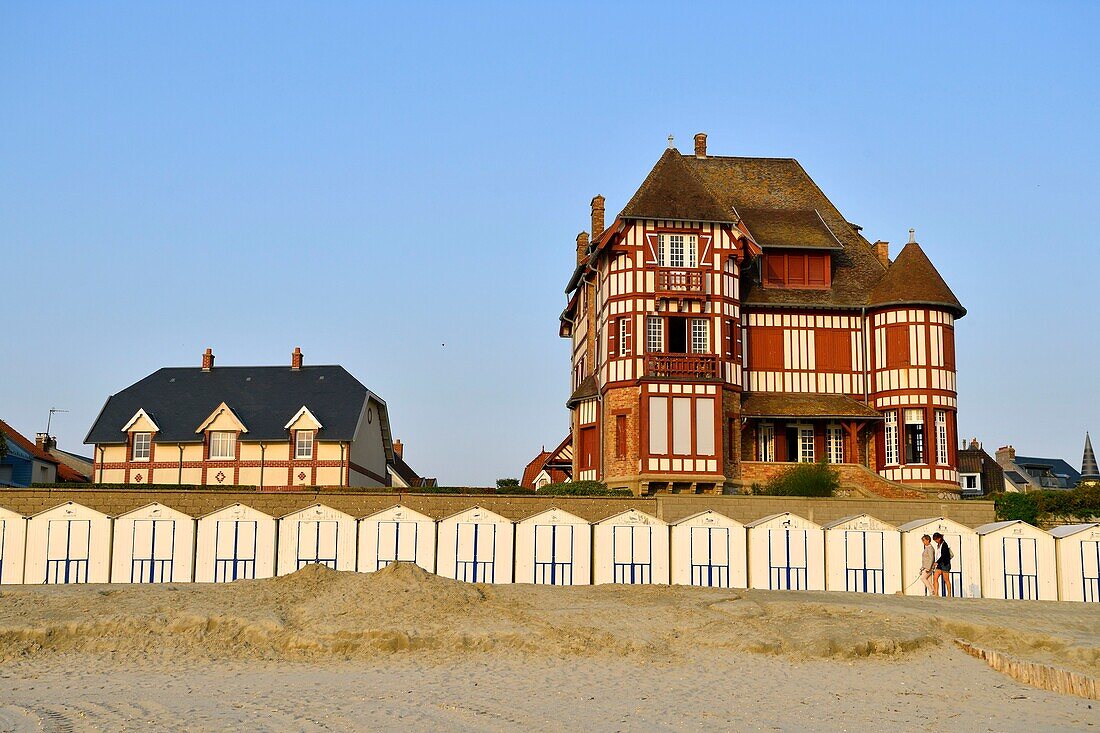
{"x": 731, "y": 318}
{"x": 1033, "y": 473}
{"x": 274, "y": 427}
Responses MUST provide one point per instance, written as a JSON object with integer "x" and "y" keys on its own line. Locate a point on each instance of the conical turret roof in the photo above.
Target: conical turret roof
{"x": 912, "y": 279}
{"x": 1088, "y": 461}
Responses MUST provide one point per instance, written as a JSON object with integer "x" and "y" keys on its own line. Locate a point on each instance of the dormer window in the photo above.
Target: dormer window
{"x": 677, "y": 250}
{"x": 142, "y": 443}
{"x": 223, "y": 445}
{"x": 303, "y": 444}
{"x": 799, "y": 270}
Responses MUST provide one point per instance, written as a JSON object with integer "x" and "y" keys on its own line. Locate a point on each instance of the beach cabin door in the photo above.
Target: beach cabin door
{"x": 554, "y": 554}
{"x": 476, "y": 548}
{"x": 3, "y": 540}
{"x": 68, "y": 545}
{"x": 864, "y": 561}
{"x": 154, "y": 542}
{"x": 710, "y": 556}
{"x": 1090, "y": 571}
{"x": 317, "y": 542}
{"x": 632, "y": 554}
{"x": 1021, "y": 560}
{"x": 787, "y": 559}
{"x": 234, "y": 550}
{"x": 396, "y": 542}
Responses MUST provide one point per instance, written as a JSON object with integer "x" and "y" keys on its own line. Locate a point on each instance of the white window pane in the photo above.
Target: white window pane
{"x": 700, "y": 336}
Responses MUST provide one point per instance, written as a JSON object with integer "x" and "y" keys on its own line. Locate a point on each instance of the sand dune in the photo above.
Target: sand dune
{"x": 395, "y": 628}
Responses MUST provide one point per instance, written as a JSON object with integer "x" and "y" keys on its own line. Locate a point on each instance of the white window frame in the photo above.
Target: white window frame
{"x": 654, "y": 334}
{"x": 303, "y": 438}
{"x": 891, "y": 434}
{"x": 834, "y": 443}
{"x": 941, "y": 437}
{"x": 678, "y": 250}
{"x": 624, "y": 334}
{"x": 915, "y": 416}
{"x": 805, "y": 444}
{"x": 225, "y": 440}
{"x": 700, "y": 335}
{"x": 143, "y": 446}
{"x": 765, "y": 443}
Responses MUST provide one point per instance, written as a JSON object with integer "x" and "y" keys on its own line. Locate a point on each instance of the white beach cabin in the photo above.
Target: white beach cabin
{"x": 397, "y": 534}
{"x": 234, "y": 543}
{"x": 475, "y": 545}
{"x": 1017, "y": 562}
{"x": 1077, "y": 550}
{"x": 966, "y": 566}
{"x": 862, "y": 555}
{"x": 554, "y": 547}
{"x": 13, "y": 542}
{"x": 709, "y": 549}
{"x": 786, "y": 552}
{"x": 153, "y": 544}
{"x": 316, "y": 535}
{"x": 630, "y": 548}
{"x": 68, "y": 544}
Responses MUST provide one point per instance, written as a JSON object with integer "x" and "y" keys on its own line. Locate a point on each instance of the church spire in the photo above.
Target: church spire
{"x": 1088, "y": 461}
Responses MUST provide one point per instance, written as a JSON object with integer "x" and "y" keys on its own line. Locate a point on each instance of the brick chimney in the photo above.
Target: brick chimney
{"x": 882, "y": 251}
{"x": 597, "y": 217}
{"x": 207, "y": 360}
{"x": 398, "y": 449}
{"x": 1006, "y": 455}
{"x": 296, "y": 359}
{"x": 974, "y": 444}
{"x": 44, "y": 442}
{"x": 582, "y": 247}
{"x": 700, "y": 145}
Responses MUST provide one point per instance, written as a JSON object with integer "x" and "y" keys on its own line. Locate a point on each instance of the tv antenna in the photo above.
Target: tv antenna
{"x": 50, "y": 418}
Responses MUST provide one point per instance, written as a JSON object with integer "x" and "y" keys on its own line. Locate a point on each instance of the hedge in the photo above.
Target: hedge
{"x": 582, "y": 488}
{"x": 1082, "y": 503}
{"x": 803, "y": 479}
{"x": 578, "y": 488}
{"x": 142, "y": 487}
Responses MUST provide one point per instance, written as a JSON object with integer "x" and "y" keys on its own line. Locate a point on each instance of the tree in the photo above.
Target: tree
{"x": 505, "y": 482}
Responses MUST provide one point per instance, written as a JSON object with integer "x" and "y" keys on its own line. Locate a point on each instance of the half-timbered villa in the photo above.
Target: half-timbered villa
{"x": 731, "y": 320}
{"x": 274, "y": 427}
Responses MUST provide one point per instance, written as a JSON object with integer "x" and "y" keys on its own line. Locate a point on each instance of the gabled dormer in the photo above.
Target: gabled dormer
{"x": 140, "y": 430}
{"x": 222, "y": 430}
{"x": 797, "y": 245}
{"x": 303, "y": 429}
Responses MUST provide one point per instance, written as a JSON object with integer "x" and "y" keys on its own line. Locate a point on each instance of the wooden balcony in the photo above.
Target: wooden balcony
{"x": 681, "y": 366}
{"x": 679, "y": 282}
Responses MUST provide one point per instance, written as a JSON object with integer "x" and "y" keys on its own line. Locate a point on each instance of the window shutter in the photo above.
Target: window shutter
{"x": 815, "y": 270}
{"x": 729, "y": 338}
{"x": 627, "y": 337}
{"x": 612, "y": 337}
{"x": 897, "y": 346}
{"x": 796, "y": 270}
{"x": 774, "y": 269}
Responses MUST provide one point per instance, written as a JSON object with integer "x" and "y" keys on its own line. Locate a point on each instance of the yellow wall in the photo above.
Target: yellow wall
{"x": 112, "y": 476}
{"x": 114, "y": 454}
{"x": 304, "y": 422}
{"x": 329, "y": 476}
{"x": 143, "y": 425}
{"x": 225, "y": 421}
{"x": 327, "y": 451}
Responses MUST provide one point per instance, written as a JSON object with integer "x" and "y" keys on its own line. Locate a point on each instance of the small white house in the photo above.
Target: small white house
{"x": 966, "y": 566}
{"x": 709, "y": 549}
{"x": 786, "y": 552}
{"x": 13, "y": 538}
{"x": 631, "y": 548}
{"x": 234, "y": 543}
{"x": 554, "y": 547}
{"x": 1077, "y": 549}
{"x": 1018, "y": 562}
{"x": 317, "y": 535}
{"x": 68, "y": 544}
{"x": 153, "y": 544}
{"x": 862, "y": 555}
{"x": 475, "y": 545}
{"x": 397, "y": 534}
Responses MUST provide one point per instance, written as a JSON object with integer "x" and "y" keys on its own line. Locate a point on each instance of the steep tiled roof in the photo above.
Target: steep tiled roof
{"x": 785, "y": 404}
{"x": 913, "y": 280}
{"x": 10, "y": 433}
{"x": 411, "y": 478}
{"x": 588, "y": 388}
{"x": 673, "y": 191}
{"x": 789, "y": 229}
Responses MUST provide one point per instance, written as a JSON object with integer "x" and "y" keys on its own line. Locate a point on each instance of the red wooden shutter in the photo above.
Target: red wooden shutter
{"x": 949, "y": 348}
{"x": 766, "y": 348}
{"x": 729, "y": 338}
{"x": 775, "y": 269}
{"x": 834, "y": 350}
{"x": 897, "y": 346}
{"x": 815, "y": 270}
{"x": 612, "y": 338}
{"x": 796, "y": 270}
{"x": 620, "y": 436}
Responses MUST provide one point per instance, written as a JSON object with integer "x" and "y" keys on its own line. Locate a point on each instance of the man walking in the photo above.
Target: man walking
{"x": 928, "y": 564}
{"x": 943, "y": 564}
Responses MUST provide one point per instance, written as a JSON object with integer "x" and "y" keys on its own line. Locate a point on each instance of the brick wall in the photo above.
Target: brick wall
{"x": 618, "y": 401}
{"x": 670, "y": 507}
{"x": 853, "y": 478}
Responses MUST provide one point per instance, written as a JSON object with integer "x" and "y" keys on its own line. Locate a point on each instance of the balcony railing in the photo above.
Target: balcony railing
{"x": 682, "y": 366}
{"x": 679, "y": 282}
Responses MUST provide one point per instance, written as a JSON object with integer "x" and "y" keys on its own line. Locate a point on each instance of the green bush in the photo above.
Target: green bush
{"x": 502, "y": 482}
{"x": 142, "y": 487}
{"x": 582, "y": 488}
{"x": 1034, "y": 506}
{"x": 804, "y": 479}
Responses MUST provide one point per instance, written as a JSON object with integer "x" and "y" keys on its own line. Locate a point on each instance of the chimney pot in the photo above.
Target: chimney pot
{"x": 398, "y": 449}
{"x": 882, "y": 251}
{"x": 700, "y": 145}
{"x": 207, "y": 360}
{"x": 296, "y": 358}
{"x": 597, "y": 216}
{"x": 582, "y": 247}
{"x": 44, "y": 442}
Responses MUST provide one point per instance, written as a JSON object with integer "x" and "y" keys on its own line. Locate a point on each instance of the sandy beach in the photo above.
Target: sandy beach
{"x": 321, "y": 651}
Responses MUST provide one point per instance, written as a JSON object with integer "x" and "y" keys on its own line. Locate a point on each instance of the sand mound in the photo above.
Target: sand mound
{"x": 317, "y": 612}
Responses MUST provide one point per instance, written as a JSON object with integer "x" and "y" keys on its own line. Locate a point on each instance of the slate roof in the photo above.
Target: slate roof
{"x": 1057, "y": 466}
{"x": 411, "y": 478}
{"x": 588, "y": 388}
{"x": 976, "y": 460}
{"x": 265, "y": 398}
{"x": 913, "y": 280}
{"x": 780, "y": 404}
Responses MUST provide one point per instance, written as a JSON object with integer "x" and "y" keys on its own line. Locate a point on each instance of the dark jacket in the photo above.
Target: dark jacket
{"x": 944, "y": 560}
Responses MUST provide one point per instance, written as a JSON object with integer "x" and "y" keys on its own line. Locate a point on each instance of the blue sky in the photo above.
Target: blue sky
{"x": 371, "y": 182}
